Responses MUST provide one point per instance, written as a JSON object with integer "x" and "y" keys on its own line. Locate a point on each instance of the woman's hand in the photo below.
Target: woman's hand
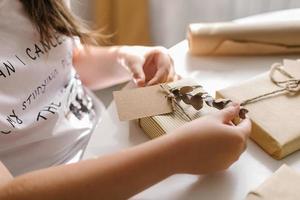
{"x": 148, "y": 65}
{"x": 211, "y": 143}
{"x": 206, "y": 145}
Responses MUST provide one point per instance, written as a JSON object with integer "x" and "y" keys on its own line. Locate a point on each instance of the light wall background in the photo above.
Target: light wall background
{"x": 168, "y": 19}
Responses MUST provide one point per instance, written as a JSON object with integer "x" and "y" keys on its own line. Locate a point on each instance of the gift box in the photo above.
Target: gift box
{"x": 233, "y": 38}
{"x": 159, "y": 125}
{"x": 273, "y": 102}
{"x": 283, "y": 184}
{"x": 162, "y": 108}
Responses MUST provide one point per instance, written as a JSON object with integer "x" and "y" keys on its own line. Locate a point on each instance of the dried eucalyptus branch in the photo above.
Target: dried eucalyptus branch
{"x": 196, "y": 100}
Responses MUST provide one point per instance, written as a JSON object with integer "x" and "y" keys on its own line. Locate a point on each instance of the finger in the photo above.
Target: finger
{"x": 245, "y": 127}
{"x": 172, "y": 75}
{"x": 160, "y": 76}
{"x": 228, "y": 114}
{"x": 140, "y": 82}
{"x": 150, "y": 67}
{"x": 137, "y": 74}
{"x": 172, "y": 72}
{"x": 244, "y": 147}
{"x": 164, "y": 67}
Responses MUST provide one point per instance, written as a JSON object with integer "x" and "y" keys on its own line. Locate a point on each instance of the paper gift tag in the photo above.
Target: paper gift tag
{"x": 141, "y": 102}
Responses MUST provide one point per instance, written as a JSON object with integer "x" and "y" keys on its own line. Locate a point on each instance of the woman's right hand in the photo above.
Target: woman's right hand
{"x": 206, "y": 145}
{"x": 211, "y": 143}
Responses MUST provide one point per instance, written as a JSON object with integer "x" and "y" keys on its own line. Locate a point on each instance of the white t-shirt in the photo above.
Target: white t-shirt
{"x": 46, "y": 115}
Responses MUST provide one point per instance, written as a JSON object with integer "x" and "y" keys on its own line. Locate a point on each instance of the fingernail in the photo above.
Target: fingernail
{"x": 140, "y": 82}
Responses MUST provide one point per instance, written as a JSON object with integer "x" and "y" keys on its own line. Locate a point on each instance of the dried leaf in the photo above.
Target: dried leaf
{"x": 175, "y": 92}
{"x": 186, "y": 99}
{"x": 200, "y": 94}
{"x": 197, "y": 101}
{"x": 186, "y": 89}
{"x": 220, "y": 103}
{"x": 242, "y": 113}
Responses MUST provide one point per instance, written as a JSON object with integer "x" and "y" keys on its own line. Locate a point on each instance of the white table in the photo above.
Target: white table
{"x": 213, "y": 73}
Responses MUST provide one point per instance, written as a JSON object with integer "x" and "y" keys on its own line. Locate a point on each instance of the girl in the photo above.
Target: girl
{"x": 47, "y": 115}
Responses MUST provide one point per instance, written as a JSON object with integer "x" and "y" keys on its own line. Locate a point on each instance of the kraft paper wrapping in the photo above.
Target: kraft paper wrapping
{"x": 161, "y": 124}
{"x": 232, "y": 38}
{"x": 283, "y": 184}
{"x": 275, "y": 126}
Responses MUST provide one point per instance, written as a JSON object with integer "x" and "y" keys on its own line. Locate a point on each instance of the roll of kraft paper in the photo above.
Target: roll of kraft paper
{"x": 234, "y": 38}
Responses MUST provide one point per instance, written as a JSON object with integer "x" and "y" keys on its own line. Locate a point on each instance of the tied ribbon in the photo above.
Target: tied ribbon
{"x": 291, "y": 85}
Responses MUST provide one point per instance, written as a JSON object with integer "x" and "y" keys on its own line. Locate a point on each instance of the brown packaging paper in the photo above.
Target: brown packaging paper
{"x": 158, "y": 125}
{"x": 283, "y": 184}
{"x": 276, "y": 126}
{"x": 233, "y": 38}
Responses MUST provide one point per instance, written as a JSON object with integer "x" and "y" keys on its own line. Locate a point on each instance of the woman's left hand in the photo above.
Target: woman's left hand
{"x": 148, "y": 65}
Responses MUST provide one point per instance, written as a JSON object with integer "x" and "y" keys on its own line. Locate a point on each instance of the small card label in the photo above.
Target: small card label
{"x": 142, "y": 102}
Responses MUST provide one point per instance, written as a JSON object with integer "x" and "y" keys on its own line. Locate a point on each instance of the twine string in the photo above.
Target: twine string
{"x": 292, "y": 85}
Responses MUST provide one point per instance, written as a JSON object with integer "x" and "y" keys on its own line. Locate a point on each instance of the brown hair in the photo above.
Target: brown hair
{"x": 51, "y": 16}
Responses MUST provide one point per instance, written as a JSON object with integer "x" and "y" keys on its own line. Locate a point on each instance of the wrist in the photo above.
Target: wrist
{"x": 174, "y": 152}
{"x": 115, "y": 53}
{"x": 162, "y": 155}
{"x": 184, "y": 150}
{"x": 120, "y": 54}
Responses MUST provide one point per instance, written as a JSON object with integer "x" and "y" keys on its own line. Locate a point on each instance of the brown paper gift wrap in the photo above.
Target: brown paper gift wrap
{"x": 232, "y": 38}
{"x": 276, "y": 119}
{"x": 161, "y": 124}
{"x": 282, "y": 185}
